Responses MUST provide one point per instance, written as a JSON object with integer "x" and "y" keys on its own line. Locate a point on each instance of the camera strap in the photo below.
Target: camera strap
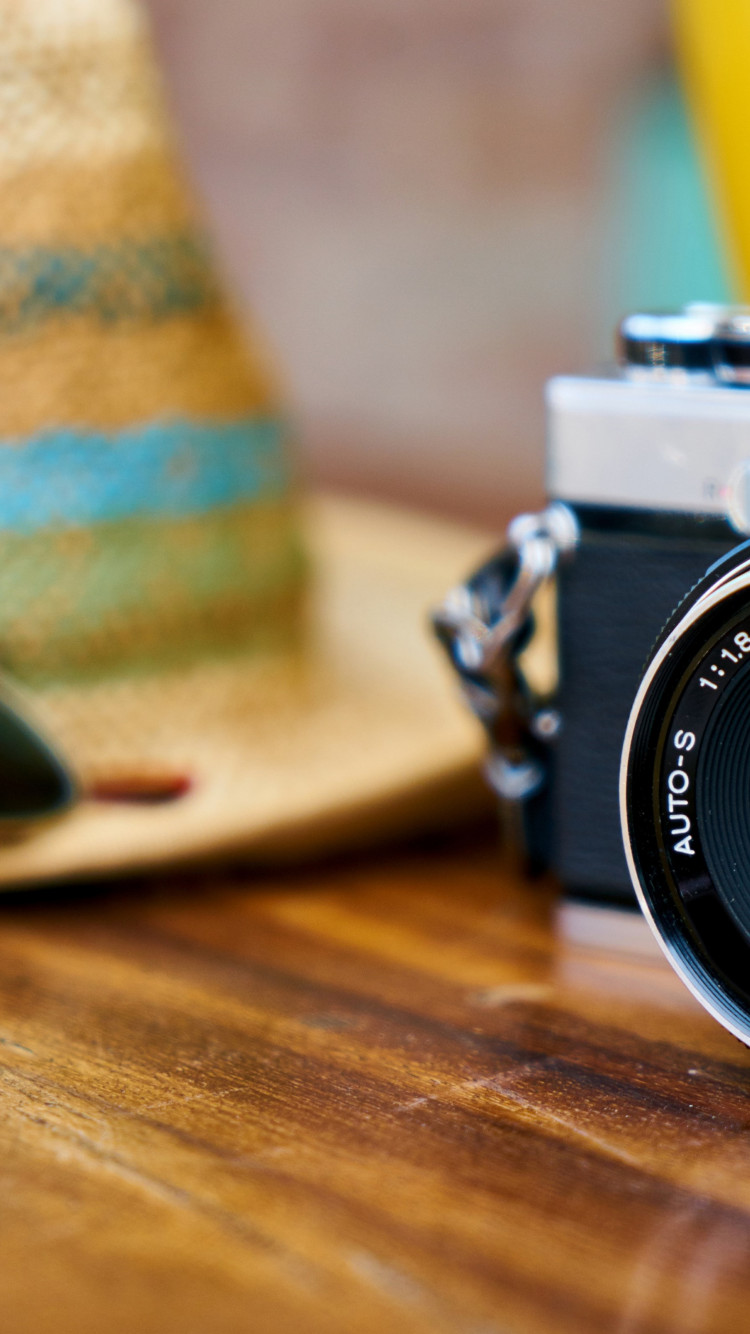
{"x": 499, "y": 631}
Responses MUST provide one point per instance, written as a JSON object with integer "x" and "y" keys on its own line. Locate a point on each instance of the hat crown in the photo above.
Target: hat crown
{"x": 144, "y": 478}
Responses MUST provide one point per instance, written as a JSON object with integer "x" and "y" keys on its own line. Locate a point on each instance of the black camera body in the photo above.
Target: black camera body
{"x": 614, "y": 596}
{"x": 653, "y": 460}
{"x": 606, "y": 650}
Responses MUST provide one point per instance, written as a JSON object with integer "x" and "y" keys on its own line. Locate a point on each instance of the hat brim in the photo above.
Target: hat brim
{"x": 361, "y": 735}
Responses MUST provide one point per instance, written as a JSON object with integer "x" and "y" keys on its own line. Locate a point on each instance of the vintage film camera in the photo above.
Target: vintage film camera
{"x": 640, "y": 558}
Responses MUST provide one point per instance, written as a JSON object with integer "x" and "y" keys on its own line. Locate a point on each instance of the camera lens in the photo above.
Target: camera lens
{"x": 722, "y": 797}
{"x": 685, "y": 791}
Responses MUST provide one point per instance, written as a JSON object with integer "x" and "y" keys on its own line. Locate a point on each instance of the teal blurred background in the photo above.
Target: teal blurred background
{"x": 661, "y": 245}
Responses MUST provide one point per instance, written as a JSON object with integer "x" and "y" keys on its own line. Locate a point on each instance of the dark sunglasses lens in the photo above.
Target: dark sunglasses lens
{"x": 33, "y": 782}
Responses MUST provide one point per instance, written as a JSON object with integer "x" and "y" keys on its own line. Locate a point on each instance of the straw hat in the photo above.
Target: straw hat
{"x": 194, "y": 662}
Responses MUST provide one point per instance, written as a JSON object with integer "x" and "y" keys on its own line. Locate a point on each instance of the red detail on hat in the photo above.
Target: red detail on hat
{"x": 147, "y": 790}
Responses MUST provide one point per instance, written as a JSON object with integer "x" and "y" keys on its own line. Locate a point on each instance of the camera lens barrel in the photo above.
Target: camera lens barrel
{"x": 685, "y": 791}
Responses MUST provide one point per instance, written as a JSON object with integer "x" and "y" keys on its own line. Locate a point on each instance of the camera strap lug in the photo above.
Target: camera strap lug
{"x": 491, "y": 628}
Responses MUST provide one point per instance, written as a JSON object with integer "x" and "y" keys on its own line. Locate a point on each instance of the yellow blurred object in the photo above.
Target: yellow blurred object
{"x": 713, "y": 43}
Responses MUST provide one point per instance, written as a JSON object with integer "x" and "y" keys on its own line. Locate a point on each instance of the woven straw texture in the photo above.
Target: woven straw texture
{"x": 155, "y": 617}
{"x": 143, "y": 477}
{"x": 145, "y": 519}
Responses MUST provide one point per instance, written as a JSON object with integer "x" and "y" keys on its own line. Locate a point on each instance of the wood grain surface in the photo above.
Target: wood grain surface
{"x": 375, "y": 1097}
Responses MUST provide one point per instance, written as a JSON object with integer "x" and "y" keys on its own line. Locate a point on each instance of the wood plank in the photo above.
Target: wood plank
{"x": 380, "y": 1095}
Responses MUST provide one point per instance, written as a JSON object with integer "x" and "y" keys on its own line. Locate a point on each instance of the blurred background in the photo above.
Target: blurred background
{"x": 432, "y": 206}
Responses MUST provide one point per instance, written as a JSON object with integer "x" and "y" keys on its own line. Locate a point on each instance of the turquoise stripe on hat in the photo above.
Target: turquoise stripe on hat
{"x": 170, "y": 468}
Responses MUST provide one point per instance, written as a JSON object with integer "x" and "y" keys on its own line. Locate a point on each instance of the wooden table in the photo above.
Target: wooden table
{"x": 373, "y": 1097}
